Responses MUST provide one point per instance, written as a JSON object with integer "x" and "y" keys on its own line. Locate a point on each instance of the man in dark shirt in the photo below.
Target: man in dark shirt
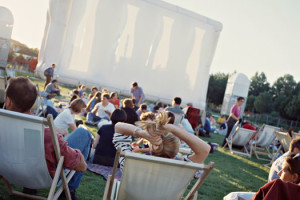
{"x": 132, "y": 117}
{"x": 49, "y": 74}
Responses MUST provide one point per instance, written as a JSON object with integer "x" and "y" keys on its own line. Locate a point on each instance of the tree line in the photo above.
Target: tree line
{"x": 281, "y": 99}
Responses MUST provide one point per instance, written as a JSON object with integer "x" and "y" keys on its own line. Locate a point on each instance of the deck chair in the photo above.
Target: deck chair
{"x": 240, "y": 137}
{"x": 22, "y": 156}
{"x": 38, "y": 106}
{"x": 2, "y": 84}
{"x": 148, "y": 177}
{"x": 178, "y": 118}
{"x": 264, "y": 138}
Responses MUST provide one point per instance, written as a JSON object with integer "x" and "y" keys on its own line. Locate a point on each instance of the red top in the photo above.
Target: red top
{"x": 249, "y": 126}
{"x": 72, "y": 157}
{"x": 278, "y": 190}
{"x": 116, "y": 103}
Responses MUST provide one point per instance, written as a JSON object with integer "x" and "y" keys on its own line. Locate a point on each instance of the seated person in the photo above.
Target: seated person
{"x": 132, "y": 117}
{"x": 81, "y": 89}
{"x": 66, "y": 119}
{"x": 175, "y": 108}
{"x": 278, "y": 164}
{"x": 223, "y": 129}
{"x": 93, "y": 101}
{"x": 20, "y": 96}
{"x": 94, "y": 90}
{"x": 248, "y": 125}
{"x": 74, "y": 96}
{"x": 101, "y": 111}
{"x": 207, "y": 128}
{"x": 164, "y": 139}
{"x": 221, "y": 119}
{"x": 105, "y": 151}
{"x": 52, "y": 89}
{"x": 288, "y": 186}
{"x": 142, "y": 109}
{"x": 114, "y": 99}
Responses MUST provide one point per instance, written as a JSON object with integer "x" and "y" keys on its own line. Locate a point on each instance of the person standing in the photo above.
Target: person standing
{"x": 137, "y": 93}
{"x": 48, "y": 73}
{"x": 234, "y": 116}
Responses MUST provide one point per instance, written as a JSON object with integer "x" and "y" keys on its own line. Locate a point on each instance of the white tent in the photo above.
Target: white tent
{"x": 111, "y": 43}
{"x": 237, "y": 86}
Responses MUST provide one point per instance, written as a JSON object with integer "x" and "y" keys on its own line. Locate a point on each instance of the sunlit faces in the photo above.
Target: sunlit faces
{"x": 240, "y": 102}
{"x": 286, "y": 175}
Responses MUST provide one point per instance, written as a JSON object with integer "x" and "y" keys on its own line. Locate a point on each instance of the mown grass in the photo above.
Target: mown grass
{"x": 231, "y": 173}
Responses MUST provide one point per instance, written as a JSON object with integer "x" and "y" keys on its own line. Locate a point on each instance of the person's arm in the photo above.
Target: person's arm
{"x": 81, "y": 167}
{"x": 107, "y": 112}
{"x": 94, "y": 111}
{"x": 96, "y": 141}
{"x": 200, "y": 148}
{"x": 140, "y": 100}
{"x": 72, "y": 126}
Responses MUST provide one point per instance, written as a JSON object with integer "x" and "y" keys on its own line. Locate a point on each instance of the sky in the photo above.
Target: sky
{"x": 257, "y": 36}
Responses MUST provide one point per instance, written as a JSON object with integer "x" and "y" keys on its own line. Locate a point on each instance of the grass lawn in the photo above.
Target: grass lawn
{"x": 231, "y": 173}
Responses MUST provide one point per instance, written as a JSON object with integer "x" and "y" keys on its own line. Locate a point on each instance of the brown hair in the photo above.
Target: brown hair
{"x": 112, "y": 94}
{"x": 97, "y": 96}
{"x": 293, "y": 164}
{"x": 295, "y": 143}
{"x": 106, "y": 95}
{"x": 127, "y": 103}
{"x": 22, "y": 92}
{"x": 77, "y": 105}
{"x": 147, "y": 116}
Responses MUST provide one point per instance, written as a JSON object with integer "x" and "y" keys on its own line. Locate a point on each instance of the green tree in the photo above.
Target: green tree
{"x": 292, "y": 109}
{"x": 216, "y": 88}
{"x": 285, "y": 85}
{"x": 250, "y": 103}
{"x": 258, "y": 84}
{"x": 263, "y": 103}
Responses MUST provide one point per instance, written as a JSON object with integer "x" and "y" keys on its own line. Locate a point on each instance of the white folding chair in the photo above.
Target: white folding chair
{"x": 22, "y": 155}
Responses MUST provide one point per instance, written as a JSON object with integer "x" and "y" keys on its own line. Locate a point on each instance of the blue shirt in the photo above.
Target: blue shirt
{"x": 50, "y": 71}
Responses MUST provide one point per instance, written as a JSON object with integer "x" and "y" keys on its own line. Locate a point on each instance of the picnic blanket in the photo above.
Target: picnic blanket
{"x": 104, "y": 171}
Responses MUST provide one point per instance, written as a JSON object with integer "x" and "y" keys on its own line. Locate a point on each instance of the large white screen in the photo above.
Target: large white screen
{"x": 111, "y": 43}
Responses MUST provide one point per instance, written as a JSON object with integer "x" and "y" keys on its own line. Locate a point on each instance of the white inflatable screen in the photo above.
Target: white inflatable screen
{"x": 112, "y": 43}
{"x": 237, "y": 86}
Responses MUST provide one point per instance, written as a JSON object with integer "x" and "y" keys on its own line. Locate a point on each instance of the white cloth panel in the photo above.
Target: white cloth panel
{"x": 267, "y": 135}
{"x": 166, "y": 49}
{"x": 22, "y": 156}
{"x": 242, "y": 136}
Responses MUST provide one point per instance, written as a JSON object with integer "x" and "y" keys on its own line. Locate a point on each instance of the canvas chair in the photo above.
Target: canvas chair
{"x": 148, "y": 177}
{"x": 264, "y": 138}
{"x": 38, "y": 106}
{"x": 2, "y": 84}
{"x": 240, "y": 137}
{"x": 178, "y": 118}
{"x": 22, "y": 157}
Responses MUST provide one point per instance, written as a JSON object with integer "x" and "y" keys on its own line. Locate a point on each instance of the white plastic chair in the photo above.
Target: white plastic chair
{"x": 149, "y": 177}
{"x": 22, "y": 155}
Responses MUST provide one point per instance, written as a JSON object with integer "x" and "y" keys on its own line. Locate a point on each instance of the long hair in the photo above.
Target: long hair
{"x": 170, "y": 143}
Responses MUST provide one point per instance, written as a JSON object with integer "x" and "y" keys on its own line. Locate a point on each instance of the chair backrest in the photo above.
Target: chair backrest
{"x": 22, "y": 155}
{"x": 2, "y": 89}
{"x": 193, "y": 115}
{"x": 178, "y": 118}
{"x": 266, "y": 135}
{"x": 284, "y": 140}
{"x": 241, "y": 136}
{"x": 296, "y": 135}
{"x": 148, "y": 177}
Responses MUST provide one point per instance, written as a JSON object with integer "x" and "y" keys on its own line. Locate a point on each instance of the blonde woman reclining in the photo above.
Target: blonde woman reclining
{"x": 164, "y": 139}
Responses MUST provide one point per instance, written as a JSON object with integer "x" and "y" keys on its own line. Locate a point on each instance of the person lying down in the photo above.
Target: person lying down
{"x": 164, "y": 139}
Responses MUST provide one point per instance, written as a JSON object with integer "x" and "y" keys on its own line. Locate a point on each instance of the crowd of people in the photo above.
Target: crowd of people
{"x": 134, "y": 126}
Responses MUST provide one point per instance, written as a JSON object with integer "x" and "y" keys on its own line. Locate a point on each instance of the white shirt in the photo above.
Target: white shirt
{"x": 109, "y": 107}
{"x": 63, "y": 120}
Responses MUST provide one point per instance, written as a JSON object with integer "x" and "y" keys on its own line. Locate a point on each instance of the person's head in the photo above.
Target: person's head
{"x": 83, "y": 87}
{"x": 104, "y": 90}
{"x": 291, "y": 132}
{"x": 79, "y": 87}
{"x": 20, "y": 94}
{"x": 134, "y": 85}
{"x": 291, "y": 169}
{"x": 133, "y": 101}
{"x": 53, "y": 65}
{"x": 118, "y": 115}
{"x": 240, "y": 101}
{"x": 147, "y": 116}
{"x": 143, "y": 108}
{"x": 170, "y": 143}
{"x": 295, "y": 146}
{"x": 208, "y": 114}
{"x": 94, "y": 90}
{"x": 54, "y": 82}
{"x": 159, "y": 104}
{"x": 155, "y": 109}
{"x": 171, "y": 117}
{"x": 105, "y": 98}
{"x": 77, "y": 105}
{"x": 114, "y": 95}
{"x": 127, "y": 103}
{"x": 176, "y": 101}
{"x": 75, "y": 92}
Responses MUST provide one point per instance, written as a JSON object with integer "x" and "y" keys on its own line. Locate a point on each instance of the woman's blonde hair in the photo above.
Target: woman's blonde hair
{"x": 170, "y": 143}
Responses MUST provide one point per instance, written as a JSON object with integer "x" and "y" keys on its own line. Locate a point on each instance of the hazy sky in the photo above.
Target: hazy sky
{"x": 257, "y": 35}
